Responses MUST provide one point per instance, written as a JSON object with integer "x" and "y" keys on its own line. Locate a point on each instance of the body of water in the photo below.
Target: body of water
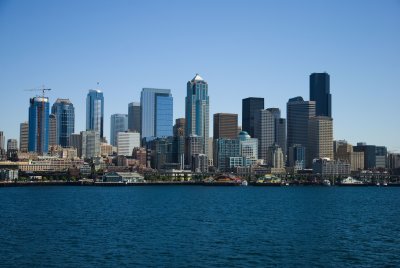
{"x": 189, "y": 226}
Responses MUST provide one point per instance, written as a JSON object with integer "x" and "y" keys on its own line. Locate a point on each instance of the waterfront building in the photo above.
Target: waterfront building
{"x": 199, "y": 163}
{"x": 320, "y": 138}
{"x": 298, "y": 114}
{"x": 320, "y": 93}
{"x": 374, "y": 156}
{"x": 38, "y": 125}
{"x": 223, "y": 150}
{"x": 194, "y": 145}
{"x": 64, "y": 113}
{"x": 264, "y": 131}
{"x": 179, "y": 127}
{"x": 250, "y": 106}
{"x": 330, "y": 168}
{"x": 52, "y": 130}
{"x": 197, "y": 111}
{"x": 134, "y": 117}
{"x": 248, "y": 148}
{"x": 8, "y": 174}
{"x": 157, "y": 112}
{"x": 90, "y": 144}
{"x": 126, "y": 177}
{"x": 225, "y": 126}
{"x": 127, "y": 141}
{"x": 95, "y": 112}
{"x": 161, "y": 152}
{"x": 23, "y": 137}
{"x": 50, "y": 164}
{"x": 75, "y": 141}
{"x": 297, "y": 157}
{"x": 118, "y": 123}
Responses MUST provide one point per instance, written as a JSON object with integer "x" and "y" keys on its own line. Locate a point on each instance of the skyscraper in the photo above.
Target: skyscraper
{"x": 249, "y": 108}
{"x": 264, "y": 131}
{"x": 23, "y": 137}
{"x": 39, "y": 125}
{"x": 134, "y": 117}
{"x": 12, "y": 144}
{"x": 2, "y": 140}
{"x": 52, "y": 130}
{"x": 157, "y": 112}
{"x": 119, "y": 123}
{"x": 127, "y": 141}
{"x": 90, "y": 144}
{"x": 179, "y": 127}
{"x": 64, "y": 112}
{"x": 225, "y": 126}
{"x": 298, "y": 113}
{"x": 320, "y": 93}
{"x": 197, "y": 110}
{"x": 75, "y": 140}
{"x": 320, "y": 136}
{"x": 95, "y": 111}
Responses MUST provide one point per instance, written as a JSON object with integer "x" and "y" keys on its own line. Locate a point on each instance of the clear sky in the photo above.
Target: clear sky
{"x": 241, "y": 48}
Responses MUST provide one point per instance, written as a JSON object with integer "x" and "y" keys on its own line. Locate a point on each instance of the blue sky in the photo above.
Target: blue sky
{"x": 241, "y": 48}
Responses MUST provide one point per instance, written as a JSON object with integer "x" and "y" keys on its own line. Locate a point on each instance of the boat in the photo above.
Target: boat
{"x": 244, "y": 183}
{"x": 384, "y": 183}
{"x": 326, "y": 183}
{"x": 349, "y": 181}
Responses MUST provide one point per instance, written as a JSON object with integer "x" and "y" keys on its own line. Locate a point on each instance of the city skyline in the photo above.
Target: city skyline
{"x": 359, "y": 54}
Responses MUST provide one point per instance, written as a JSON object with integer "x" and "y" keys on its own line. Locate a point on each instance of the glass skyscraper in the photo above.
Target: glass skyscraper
{"x": 320, "y": 93}
{"x": 64, "y": 112}
{"x": 119, "y": 123}
{"x": 39, "y": 125}
{"x": 157, "y": 112}
{"x": 197, "y": 110}
{"x": 134, "y": 119}
{"x": 95, "y": 111}
{"x": 250, "y": 106}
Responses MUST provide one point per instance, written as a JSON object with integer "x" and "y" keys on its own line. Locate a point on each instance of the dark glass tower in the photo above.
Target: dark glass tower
{"x": 320, "y": 93}
{"x": 249, "y": 108}
{"x": 39, "y": 125}
{"x": 64, "y": 112}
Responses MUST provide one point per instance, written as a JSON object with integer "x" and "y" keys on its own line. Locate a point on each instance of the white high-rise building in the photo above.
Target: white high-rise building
{"x": 127, "y": 141}
{"x": 90, "y": 144}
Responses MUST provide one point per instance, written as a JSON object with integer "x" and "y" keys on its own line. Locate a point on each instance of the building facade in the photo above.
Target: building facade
{"x": 90, "y": 144}
{"x": 23, "y": 137}
{"x": 127, "y": 141}
{"x": 118, "y": 123}
{"x": 95, "y": 112}
{"x": 248, "y": 149}
{"x": 197, "y": 105}
{"x": 134, "y": 117}
{"x": 64, "y": 111}
{"x": 52, "y": 130}
{"x": 157, "y": 112}
{"x": 39, "y": 125}
{"x": 250, "y": 106}
{"x": 320, "y": 93}
{"x": 320, "y": 138}
{"x": 223, "y": 150}
{"x": 225, "y": 126}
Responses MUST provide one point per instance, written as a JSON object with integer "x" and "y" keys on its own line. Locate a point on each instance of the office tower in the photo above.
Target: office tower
{"x": 12, "y": 144}
{"x": 225, "y": 126}
{"x": 127, "y": 141}
{"x": 394, "y": 161}
{"x": 39, "y": 125}
{"x": 250, "y": 106}
{"x": 193, "y": 145}
{"x": 223, "y": 150}
{"x": 161, "y": 152}
{"x": 248, "y": 148}
{"x": 179, "y": 127}
{"x": 374, "y": 156}
{"x": 75, "y": 141}
{"x": 23, "y": 137}
{"x": 264, "y": 131}
{"x": 64, "y": 112}
{"x": 52, "y": 130}
{"x": 90, "y": 144}
{"x": 298, "y": 114}
{"x": 320, "y": 143}
{"x": 95, "y": 111}
{"x": 2, "y": 140}
{"x": 119, "y": 123}
{"x": 134, "y": 117}
{"x": 106, "y": 149}
{"x": 197, "y": 110}
{"x": 280, "y": 134}
{"x": 297, "y": 157}
{"x": 320, "y": 93}
{"x": 157, "y": 112}
{"x": 275, "y": 157}
{"x": 200, "y": 163}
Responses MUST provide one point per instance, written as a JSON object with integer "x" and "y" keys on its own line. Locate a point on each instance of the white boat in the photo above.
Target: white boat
{"x": 351, "y": 181}
{"x": 245, "y": 183}
{"x": 326, "y": 183}
{"x": 384, "y": 183}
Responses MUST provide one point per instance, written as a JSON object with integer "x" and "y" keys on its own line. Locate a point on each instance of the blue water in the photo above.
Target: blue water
{"x": 185, "y": 226}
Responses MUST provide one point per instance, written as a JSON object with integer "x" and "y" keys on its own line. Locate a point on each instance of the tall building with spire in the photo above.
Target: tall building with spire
{"x": 197, "y": 110}
{"x": 64, "y": 111}
{"x": 95, "y": 111}
{"x": 39, "y": 125}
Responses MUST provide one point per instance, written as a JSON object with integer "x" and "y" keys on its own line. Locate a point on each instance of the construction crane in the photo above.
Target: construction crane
{"x": 43, "y": 89}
